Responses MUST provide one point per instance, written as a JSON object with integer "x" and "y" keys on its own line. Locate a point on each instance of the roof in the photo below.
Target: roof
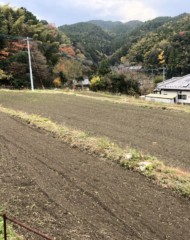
{"x": 162, "y": 96}
{"x": 84, "y": 82}
{"x": 175, "y": 83}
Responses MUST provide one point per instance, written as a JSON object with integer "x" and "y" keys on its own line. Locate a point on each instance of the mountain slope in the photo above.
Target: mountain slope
{"x": 89, "y": 38}
{"x": 172, "y": 39}
{"x": 123, "y": 44}
{"x": 52, "y": 54}
{"x": 115, "y": 28}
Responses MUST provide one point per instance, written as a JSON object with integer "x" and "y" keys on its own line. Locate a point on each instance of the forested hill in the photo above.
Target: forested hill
{"x": 97, "y": 37}
{"x": 92, "y": 40}
{"x": 139, "y": 44}
{"x": 171, "y": 40}
{"x": 123, "y": 44}
{"x": 117, "y": 27}
{"x": 69, "y": 52}
{"x": 54, "y": 59}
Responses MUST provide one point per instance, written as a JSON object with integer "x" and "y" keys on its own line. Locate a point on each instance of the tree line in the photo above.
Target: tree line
{"x": 60, "y": 55}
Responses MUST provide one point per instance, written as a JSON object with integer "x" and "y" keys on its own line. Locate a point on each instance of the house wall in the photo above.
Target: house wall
{"x": 177, "y": 92}
{"x": 154, "y": 99}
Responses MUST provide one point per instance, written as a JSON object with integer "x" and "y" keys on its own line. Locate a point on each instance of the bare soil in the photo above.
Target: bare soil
{"x": 161, "y": 133}
{"x": 70, "y": 195}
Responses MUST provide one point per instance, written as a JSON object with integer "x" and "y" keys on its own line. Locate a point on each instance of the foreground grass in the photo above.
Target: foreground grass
{"x": 11, "y": 235}
{"x": 131, "y": 159}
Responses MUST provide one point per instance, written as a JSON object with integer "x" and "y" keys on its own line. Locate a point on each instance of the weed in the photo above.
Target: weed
{"x": 104, "y": 143}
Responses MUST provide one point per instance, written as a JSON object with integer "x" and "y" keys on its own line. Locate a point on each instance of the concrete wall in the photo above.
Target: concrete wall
{"x": 163, "y": 100}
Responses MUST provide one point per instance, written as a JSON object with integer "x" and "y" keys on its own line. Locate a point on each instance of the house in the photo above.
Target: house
{"x": 171, "y": 98}
{"x": 177, "y": 89}
{"x": 84, "y": 84}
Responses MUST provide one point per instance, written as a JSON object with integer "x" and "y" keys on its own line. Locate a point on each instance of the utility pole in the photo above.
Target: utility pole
{"x": 30, "y": 64}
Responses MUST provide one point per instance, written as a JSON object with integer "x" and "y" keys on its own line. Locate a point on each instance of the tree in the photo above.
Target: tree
{"x": 97, "y": 83}
{"x": 104, "y": 67}
{"x": 20, "y": 76}
{"x": 161, "y": 57}
{"x": 41, "y": 71}
{"x": 57, "y": 82}
{"x": 4, "y": 78}
{"x": 72, "y": 69}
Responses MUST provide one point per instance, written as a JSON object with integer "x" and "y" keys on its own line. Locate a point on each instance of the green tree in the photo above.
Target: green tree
{"x": 72, "y": 69}
{"x": 104, "y": 67}
{"x": 4, "y": 78}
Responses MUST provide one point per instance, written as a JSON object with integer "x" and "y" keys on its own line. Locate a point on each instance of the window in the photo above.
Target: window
{"x": 182, "y": 97}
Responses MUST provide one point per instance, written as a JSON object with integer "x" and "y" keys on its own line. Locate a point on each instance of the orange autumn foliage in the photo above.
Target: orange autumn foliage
{"x": 4, "y": 53}
{"x": 68, "y": 50}
{"x": 13, "y": 47}
{"x": 57, "y": 82}
{"x": 18, "y": 46}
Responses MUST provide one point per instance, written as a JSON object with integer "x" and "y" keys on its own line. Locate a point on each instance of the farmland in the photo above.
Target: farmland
{"x": 164, "y": 134}
{"x": 72, "y": 195}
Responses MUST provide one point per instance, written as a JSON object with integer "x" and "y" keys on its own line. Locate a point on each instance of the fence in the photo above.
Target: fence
{"x": 15, "y": 221}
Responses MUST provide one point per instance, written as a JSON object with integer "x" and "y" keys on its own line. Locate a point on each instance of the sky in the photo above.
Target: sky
{"x": 62, "y": 12}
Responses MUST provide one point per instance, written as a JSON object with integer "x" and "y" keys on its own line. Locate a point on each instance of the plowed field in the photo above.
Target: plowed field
{"x": 71, "y": 195}
{"x": 161, "y": 133}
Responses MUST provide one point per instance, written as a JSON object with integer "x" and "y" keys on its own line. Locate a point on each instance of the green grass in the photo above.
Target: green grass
{"x": 131, "y": 159}
{"x": 11, "y": 234}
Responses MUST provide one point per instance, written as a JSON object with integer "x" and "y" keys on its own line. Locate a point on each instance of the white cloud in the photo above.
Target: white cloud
{"x": 133, "y": 10}
{"x": 70, "y": 11}
{"x": 2, "y": 3}
{"x": 118, "y": 9}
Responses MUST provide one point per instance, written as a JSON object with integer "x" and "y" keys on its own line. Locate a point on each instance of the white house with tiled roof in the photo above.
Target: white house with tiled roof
{"x": 176, "y": 89}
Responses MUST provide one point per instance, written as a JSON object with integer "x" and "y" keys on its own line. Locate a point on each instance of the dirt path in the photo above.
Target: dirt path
{"x": 70, "y": 195}
{"x": 164, "y": 134}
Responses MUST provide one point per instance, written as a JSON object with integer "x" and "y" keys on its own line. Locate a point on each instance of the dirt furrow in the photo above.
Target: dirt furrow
{"x": 71, "y": 195}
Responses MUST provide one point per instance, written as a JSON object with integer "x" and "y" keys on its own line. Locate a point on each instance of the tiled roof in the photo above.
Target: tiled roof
{"x": 181, "y": 83}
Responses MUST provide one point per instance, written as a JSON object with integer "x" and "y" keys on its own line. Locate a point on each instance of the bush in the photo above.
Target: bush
{"x": 97, "y": 83}
{"x": 158, "y": 79}
{"x": 57, "y": 82}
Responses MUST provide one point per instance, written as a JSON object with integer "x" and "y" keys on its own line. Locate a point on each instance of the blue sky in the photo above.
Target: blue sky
{"x": 71, "y": 11}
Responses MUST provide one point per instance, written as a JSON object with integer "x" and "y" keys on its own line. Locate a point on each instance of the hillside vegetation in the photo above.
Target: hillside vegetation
{"x": 91, "y": 49}
{"x": 173, "y": 39}
{"x": 92, "y": 40}
{"x": 55, "y": 60}
{"x": 140, "y": 43}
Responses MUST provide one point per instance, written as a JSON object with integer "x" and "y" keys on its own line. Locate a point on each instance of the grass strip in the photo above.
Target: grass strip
{"x": 131, "y": 159}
